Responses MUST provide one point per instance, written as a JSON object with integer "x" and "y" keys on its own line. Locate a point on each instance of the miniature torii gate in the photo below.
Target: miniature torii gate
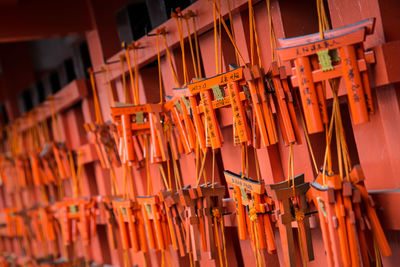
{"x": 138, "y": 120}
{"x": 207, "y": 105}
{"x": 258, "y": 203}
{"x": 288, "y": 196}
{"x": 352, "y": 66}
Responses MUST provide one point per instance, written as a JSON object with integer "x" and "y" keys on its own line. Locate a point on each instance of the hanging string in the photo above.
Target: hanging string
{"x": 177, "y": 175}
{"x": 272, "y": 36}
{"x": 136, "y": 67}
{"x": 125, "y": 176}
{"x": 11, "y": 136}
{"x": 124, "y": 85}
{"x": 160, "y": 83}
{"x": 39, "y": 127}
{"x": 217, "y": 239}
{"x": 168, "y": 185}
{"x": 107, "y": 84}
{"x": 195, "y": 58}
{"x": 34, "y": 133}
{"x": 247, "y": 159}
{"x": 213, "y": 168}
{"x": 231, "y": 37}
{"x": 30, "y": 147}
{"x": 310, "y": 149}
{"x": 218, "y": 67}
{"x": 178, "y": 19}
{"x": 243, "y": 152}
{"x": 378, "y": 259}
{"x": 127, "y": 261}
{"x": 54, "y": 119}
{"x": 202, "y": 170}
{"x": 327, "y": 150}
{"x": 299, "y": 216}
{"x": 130, "y": 184}
{"x": 253, "y": 35}
{"x": 162, "y": 32}
{"x": 18, "y": 139}
{"x": 75, "y": 186}
{"x": 274, "y": 57}
{"x": 223, "y": 240}
{"x": 228, "y": 4}
{"x": 342, "y": 150}
{"x": 197, "y": 158}
{"x": 341, "y": 145}
{"x": 322, "y": 18}
{"x": 254, "y": 237}
{"x": 338, "y": 142}
{"x": 290, "y": 172}
{"x": 162, "y": 258}
{"x": 79, "y": 172}
{"x": 323, "y": 26}
{"x": 147, "y": 156}
{"x": 196, "y": 41}
{"x": 164, "y": 177}
{"x": 220, "y": 39}
{"x": 186, "y": 18}
{"x": 97, "y": 109}
{"x": 114, "y": 183}
{"x": 45, "y": 128}
{"x": 257, "y": 163}
{"x": 168, "y": 257}
{"x": 169, "y": 174}
{"x": 215, "y": 37}
{"x": 132, "y": 79}
{"x": 168, "y": 137}
{"x": 34, "y": 140}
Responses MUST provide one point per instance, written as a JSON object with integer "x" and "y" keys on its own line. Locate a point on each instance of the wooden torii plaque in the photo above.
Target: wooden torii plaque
{"x": 259, "y": 202}
{"x": 135, "y": 121}
{"x": 289, "y": 201}
{"x": 192, "y": 222}
{"x": 339, "y": 54}
{"x": 171, "y": 209}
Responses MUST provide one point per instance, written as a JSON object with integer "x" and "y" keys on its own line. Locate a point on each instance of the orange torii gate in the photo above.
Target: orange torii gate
{"x": 339, "y": 54}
